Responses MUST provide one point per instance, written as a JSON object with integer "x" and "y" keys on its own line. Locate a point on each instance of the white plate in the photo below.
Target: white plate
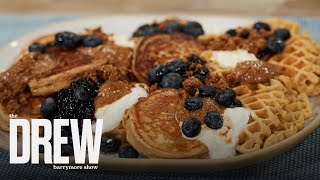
{"x": 125, "y": 25}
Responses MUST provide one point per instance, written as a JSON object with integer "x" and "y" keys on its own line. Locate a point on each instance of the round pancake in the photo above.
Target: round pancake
{"x": 153, "y": 125}
{"x": 160, "y": 49}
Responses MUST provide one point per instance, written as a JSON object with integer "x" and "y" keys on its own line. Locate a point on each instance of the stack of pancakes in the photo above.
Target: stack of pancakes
{"x": 279, "y": 107}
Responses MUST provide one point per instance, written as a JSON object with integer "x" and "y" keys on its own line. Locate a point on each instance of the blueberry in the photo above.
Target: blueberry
{"x": 48, "y": 108}
{"x": 89, "y": 85}
{"x": 261, "y": 25}
{"x": 232, "y": 32}
{"x": 193, "y": 59}
{"x": 37, "y": 47}
{"x": 282, "y": 34}
{"x": 153, "y": 31}
{"x": 109, "y": 144}
{"x": 207, "y": 91}
{"x": 193, "y": 103}
{"x": 128, "y": 152}
{"x": 147, "y": 30}
{"x": 67, "y": 40}
{"x": 66, "y": 150}
{"x": 91, "y": 41}
{"x": 173, "y": 26}
{"x": 193, "y": 28}
{"x": 213, "y": 120}
{"x": 237, "y": 103}
{"x": 156, "y": 74}
{"x": 172, "y": 80}
{"x": 275, "y": 46}
{"x": 245, "y": 34}
{"x": 81, "y": 94}
{"x": 177, "y": 66}
{"x": 191, "y": 127}
{"x": 201, "y": 73}
{"x": 140, "y": 31}
{"x": 225, "y": 97}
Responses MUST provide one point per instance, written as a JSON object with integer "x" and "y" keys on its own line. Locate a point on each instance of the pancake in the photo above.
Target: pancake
{"x": 160, "y": 49}
{"x": 153, "y": 125}
{"x": 35, "y": 75}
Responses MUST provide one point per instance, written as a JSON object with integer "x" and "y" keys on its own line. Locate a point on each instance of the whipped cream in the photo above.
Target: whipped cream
{"x": 221, "y": 142}
{"x": 123, "y": 40}
{"x": 229, "y": 59}
{"x": 113, "y": 113}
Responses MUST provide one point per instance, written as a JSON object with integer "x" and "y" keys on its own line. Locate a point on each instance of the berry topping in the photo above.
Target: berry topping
{"x": 172, "y": 80}
{"x": 90, "y": 87}
{"x": 177, "y": 66}
{"x": 48, "y": 108}
{"x": 201, "y": 73}
{"x": 214, "y": 120}
{"x": 275, "y": 46}
{"x": 91, "y": 41}
{"x": 261, "y": 25}
{"x": 282, "y": 34}
{"x": 193, "y": 59}
{"x": 147, "y": 30}
{"x": 128, "y": 152}
{"x": 232, "y": 32}
{"x": 86, "y": 111}
{"x": 237, "y": 103}
{"x": 207, "y": 91}
{"x": 225, "y": 97}
{"x": 81, "y": 94}
{"x": 173, "y": 26}
{"x": 76, "y": 102}
{"x": 156, "y": 74}
{"x": 37, "y": 47}
{"x": 245, "y": 34}
{"x": 67, "y": 40}
{"x": 193, "y": 28}
{"x": 109, "y": 144}
{"x": 191, "y": 127}
{"x": 192, "y": 104}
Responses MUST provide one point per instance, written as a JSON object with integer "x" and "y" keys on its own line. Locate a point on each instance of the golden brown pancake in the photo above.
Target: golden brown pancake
{"x": 160, "y": 49}
{"x": 35, "y": 75}
{"x": 153, "y": 125}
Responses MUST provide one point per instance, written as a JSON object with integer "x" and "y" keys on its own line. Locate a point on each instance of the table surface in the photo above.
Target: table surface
{"x": 243, "y": 7}
{"x": 300, "y": 162}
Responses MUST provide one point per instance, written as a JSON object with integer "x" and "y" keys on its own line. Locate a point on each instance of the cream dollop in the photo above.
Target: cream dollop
{"x": 123, "y": 40}
{"x": 113, "y": 113}
{"x": 221, "y": 143}
{"x": 229, "y": 59}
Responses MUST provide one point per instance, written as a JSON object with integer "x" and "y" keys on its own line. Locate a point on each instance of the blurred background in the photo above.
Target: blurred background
{"x": 240, "y": 7}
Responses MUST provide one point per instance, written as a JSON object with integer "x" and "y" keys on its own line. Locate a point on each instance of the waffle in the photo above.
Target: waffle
{"x": 278, "y": 113}
{"x": 301, "y": 61}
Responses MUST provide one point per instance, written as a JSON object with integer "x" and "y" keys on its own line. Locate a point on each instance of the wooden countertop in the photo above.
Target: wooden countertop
{"x": 241, "y": 7}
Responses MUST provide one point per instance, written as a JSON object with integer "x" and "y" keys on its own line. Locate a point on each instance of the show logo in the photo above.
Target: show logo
{"x": 85, "y": 145}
